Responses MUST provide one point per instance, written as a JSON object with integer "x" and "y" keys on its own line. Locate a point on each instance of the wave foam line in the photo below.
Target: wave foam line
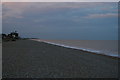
{"x": 88, "y": 50}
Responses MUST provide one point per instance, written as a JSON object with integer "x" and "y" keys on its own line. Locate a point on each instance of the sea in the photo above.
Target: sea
{"x": 105, "y": 47}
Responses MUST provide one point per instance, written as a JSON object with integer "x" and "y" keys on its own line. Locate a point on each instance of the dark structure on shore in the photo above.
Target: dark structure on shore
{"x": 13, "y": 36}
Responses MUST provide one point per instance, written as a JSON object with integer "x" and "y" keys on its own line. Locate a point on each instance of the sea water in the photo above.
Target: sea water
{"x": 106, "y": 47}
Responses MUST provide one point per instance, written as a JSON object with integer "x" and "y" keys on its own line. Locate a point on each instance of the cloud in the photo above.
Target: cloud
{"x": 0, "y": 13}
{"x": 13, "y": 10}
{"x": 17, "y": 9}
{"x": 106, "y": 15}
{"x": 44, "y": 18}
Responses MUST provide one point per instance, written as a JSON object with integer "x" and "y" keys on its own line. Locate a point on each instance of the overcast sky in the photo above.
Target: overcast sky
{"x": 55, "y": 20}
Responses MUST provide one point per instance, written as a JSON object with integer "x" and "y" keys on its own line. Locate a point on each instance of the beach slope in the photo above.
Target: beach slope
{"x": 32, "y": 59}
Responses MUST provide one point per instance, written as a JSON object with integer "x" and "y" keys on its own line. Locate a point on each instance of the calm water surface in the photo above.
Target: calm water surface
{"x": 107, "y": 47}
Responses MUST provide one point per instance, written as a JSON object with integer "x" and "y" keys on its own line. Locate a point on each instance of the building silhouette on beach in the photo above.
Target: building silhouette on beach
{"x": 11, "y": 36}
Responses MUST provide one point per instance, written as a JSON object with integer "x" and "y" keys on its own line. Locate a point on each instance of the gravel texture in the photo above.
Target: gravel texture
{"x": 31, "y": 59}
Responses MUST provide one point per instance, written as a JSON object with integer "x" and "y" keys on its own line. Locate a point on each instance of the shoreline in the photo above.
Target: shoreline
{"x": 31, "y": 59}
{"x": 76, "y": 48}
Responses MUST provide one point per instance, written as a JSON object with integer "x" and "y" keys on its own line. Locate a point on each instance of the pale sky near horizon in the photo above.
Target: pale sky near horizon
{"x": 55, "y": 20}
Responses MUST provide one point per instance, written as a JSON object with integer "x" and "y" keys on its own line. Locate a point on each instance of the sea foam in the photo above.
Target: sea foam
{"x": 109, "y": 48}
